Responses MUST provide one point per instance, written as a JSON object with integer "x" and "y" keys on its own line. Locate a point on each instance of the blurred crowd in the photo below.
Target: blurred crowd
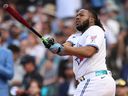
{"x": 38, "y": 72}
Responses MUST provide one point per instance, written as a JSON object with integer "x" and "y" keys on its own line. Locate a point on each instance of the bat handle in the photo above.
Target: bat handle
{"x": 35, "y": 32}
{"x": 41, "y": 37}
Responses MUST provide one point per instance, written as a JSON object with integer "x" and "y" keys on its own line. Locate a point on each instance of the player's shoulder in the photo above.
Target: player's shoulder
{"x": 74, "y": 37}
{"x": 95, "y": 27}
{"x": 76, "y": 34}
{"x": 95, "y": 30}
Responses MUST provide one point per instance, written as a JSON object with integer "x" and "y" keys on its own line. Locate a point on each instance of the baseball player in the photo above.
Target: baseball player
{"x": 88, "y": 49}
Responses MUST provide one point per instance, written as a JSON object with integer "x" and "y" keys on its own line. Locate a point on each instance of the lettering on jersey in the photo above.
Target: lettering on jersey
{"x": 93, "y": 38}
{"x": 74, "y": 37}
{"x": 79, "y": 59}
{"x": 78, "y": 45}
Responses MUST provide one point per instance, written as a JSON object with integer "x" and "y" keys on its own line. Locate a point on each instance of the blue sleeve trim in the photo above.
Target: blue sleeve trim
{"x": 71, "y": 42}
{"x": 97, "y": 48}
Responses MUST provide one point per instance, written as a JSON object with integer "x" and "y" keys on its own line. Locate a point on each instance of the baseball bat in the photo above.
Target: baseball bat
{"x": 14, "y": 13}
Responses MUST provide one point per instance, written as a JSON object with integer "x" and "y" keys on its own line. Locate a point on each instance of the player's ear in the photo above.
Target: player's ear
{"x": 91, "y": 21}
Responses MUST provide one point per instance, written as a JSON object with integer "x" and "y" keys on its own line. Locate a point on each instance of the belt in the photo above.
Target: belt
{"x": 93, "y": 74}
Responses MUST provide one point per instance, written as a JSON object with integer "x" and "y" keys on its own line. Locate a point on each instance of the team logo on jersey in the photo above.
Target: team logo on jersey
{"x": 79, "y": 45}
{"x": 79, "y": 59}
{"x": 93, "y": 38}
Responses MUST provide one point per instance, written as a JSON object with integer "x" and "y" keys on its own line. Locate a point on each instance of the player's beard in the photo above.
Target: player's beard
{"x": 83, "y": 26}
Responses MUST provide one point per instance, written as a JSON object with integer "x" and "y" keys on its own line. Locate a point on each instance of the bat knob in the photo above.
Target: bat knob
{"x": 5, "y": 6}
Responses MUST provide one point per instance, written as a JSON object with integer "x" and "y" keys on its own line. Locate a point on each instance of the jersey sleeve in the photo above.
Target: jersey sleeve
{"x": 95, "y": 37}
{"x": 70, "y": 39}
{"x": 73, "y": 39}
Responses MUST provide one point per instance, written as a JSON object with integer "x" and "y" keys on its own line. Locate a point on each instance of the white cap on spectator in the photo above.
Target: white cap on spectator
{"x": 49, "y": 9}
{"x": 111, "y": 6}
{"x": 31, "y": 9}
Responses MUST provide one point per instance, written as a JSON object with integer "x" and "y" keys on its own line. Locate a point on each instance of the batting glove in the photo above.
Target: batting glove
{"x": 55, "y": 48}
{"x": 48, "y": 42}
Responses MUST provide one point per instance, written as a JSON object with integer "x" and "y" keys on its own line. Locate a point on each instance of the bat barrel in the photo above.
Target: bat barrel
{"x": 14, "y": 13}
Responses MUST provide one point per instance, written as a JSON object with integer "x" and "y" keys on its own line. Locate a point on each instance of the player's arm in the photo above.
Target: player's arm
{"x": 56, "y": 47}
{"x": 67, "y": 49}
{"x": 90, "y": 47}
{"x": 86, "y": 51}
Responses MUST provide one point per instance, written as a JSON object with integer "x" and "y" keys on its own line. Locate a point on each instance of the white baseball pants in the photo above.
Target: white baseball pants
{"x": 103, "y": 85}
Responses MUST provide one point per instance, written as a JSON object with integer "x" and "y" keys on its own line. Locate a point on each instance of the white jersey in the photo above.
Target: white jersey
{"x": 93, "y": 36}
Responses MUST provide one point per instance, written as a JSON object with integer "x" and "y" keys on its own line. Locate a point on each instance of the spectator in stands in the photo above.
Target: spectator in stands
{"x": 35, "y": 48}
{"x": 68, "y": 28}
{"x": 29, "y": 65}
{"x": 6, "y": 69}
{"x": 49, "y": 10}
{"x": 34, "y": 88}
{"x": 24, "y": 44}
{"x": 49, "y": 72}
{"x": 15, "y": 33}
{"x": 67, "y": 87}
{"x": 71, "y": 6}
{"x": 5, "y": 37}
{"x": 122, "y": 89}
{"x": 123, "y": 53}
{"x": 60, "y": 37}
{"x": 18, "y": 69}
{"x": 97, "y": 4}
